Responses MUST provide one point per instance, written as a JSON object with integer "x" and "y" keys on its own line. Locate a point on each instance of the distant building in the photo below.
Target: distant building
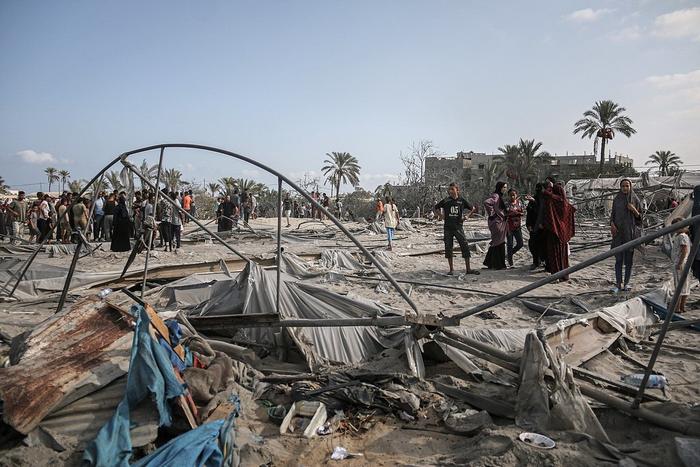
{"x": 465, "y": 167}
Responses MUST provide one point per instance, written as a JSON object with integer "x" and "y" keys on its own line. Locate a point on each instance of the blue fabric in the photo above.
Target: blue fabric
{"x": 175, "y": 331}
{"x": 210, "y": 445}
{"x": 150, "y": 373}
{"x": 174, "y": 357}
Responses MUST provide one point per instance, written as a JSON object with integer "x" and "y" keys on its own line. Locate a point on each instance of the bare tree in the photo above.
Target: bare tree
{"x": 414, "y": 161}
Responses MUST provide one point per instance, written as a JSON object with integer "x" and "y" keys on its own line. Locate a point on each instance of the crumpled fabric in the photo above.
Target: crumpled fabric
{"x": 209, "y": 445}
{"x": 150, "y": 374}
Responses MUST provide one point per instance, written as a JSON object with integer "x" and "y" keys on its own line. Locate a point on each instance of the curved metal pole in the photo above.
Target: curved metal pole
{"x": 299, "y": 190}
{"x": 133, "y": 169}
{"x": 149, "y": 245}
{"x": 454, "y": 319}
{"x": 33, "y": 256}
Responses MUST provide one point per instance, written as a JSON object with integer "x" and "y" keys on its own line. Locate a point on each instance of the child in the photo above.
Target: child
{"x": 514, "y": 214}
{"x": 679, "y": 254}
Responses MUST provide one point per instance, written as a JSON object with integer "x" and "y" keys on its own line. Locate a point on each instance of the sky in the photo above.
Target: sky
{"x": 285, "y": 82}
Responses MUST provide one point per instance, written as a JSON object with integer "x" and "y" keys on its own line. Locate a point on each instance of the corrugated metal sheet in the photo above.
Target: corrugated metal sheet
{"x": 78, "y": 423}
{"x": 67, "y": 357}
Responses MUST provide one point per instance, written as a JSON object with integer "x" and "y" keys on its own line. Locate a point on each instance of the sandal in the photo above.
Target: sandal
{"x": 473, "y": 272}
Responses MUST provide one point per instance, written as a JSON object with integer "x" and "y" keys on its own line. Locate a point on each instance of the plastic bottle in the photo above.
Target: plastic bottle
{"x": 654, "y": 382}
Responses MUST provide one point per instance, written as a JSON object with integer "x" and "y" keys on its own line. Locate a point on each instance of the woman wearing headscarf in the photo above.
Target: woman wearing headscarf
{"x": 496, "y": 210}
{"x": 535, "y": 243}
{"x": 121, "y": 227}
{"x": 625, "y": 226}
{"x": 558, "y": 229}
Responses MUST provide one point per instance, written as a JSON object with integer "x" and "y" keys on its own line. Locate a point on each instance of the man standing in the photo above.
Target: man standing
{"x": 98, "y": 216}
{"x": 44, "y": 221}
{"x": 287, "y": 208}
{"x": 187, "y": 205}
{"x": 453, "y": 208}
{"x": 18, "y": 216}
{"x": 176, "y": 222}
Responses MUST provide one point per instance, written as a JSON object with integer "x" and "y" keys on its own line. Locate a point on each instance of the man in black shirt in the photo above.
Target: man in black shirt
{"x": 453, "y": 208}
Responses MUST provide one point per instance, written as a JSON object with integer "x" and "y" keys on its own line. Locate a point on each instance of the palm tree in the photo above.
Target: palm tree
{"x": 251, "y": 186}
{"x": 532, "y": 159}
{"x": 51, "y": 176}
{"x": 214, "y": 188}
{"x": 341, "y": 168}
{"x": 666, "y": 161}
{"x": 3, "y": 186}
{"x": 172, "y": 179}
{"x": 114, "y": 180}
{"x": 603, "y": 121}
{"x": 76, "y": 186}
{"x": 508, "y": 163}
{"x": 149, "y": 173}
{"x": 65, "y": 175}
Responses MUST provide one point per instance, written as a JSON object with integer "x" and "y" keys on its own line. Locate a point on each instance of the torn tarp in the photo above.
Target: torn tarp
{"x": 150, "y": 374}
{"x": 209, "y": 445}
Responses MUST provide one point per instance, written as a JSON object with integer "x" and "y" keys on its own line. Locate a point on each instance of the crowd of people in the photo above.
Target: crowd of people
{"x": 108, "y": 217}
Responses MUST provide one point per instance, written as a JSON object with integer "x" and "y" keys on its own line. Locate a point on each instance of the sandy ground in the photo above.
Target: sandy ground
{"x": 386, "y": 442}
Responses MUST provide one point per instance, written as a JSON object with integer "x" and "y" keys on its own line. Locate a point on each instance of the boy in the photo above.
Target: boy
{"x": 453, "y": 207}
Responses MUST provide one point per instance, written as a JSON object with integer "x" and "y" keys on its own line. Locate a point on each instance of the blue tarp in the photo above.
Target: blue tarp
{"x": 150, "y": 373}
{"x": 210, "y": 445}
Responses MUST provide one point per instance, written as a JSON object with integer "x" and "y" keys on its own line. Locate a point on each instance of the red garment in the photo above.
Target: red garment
{"x": 558, "y": 214}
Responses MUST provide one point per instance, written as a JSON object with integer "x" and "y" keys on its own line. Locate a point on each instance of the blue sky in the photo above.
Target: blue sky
{"x": 287, "y": 81}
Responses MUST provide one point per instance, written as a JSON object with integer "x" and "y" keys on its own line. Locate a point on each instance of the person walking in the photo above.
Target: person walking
{"x": 18, "y": 216}
{"x": 391, "y": 219}
{"x": 166, "y": 214}
{"x": 98, "y": 217}
{"x": 108, "y": 219}
{"x": 452, "y": 209}
{"x": 558, "y": 227}
{"x": 514, "y": 215}
{"x": 625, "y": 226}
{"x": 287, "y": 208}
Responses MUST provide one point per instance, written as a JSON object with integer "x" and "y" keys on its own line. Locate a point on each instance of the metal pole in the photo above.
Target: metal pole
{"x": 584, "y": 264}
{"x": 279, "y": 242}
{"x": 187, "y": 214}
{"x": 71, "y": 270}
{"x": 672, "y": 309}
{"x": 149, "y": 245}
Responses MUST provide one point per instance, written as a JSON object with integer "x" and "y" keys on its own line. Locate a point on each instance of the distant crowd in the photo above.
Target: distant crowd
{"x": 107, "y": 217}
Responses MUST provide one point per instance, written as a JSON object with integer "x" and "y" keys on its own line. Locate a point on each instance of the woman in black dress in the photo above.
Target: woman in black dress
{"x": 121, "y": 228}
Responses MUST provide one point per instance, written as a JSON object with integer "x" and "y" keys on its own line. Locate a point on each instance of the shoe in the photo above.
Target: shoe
{"x": 627, "y": 288}
{"x": 615, "y": 290}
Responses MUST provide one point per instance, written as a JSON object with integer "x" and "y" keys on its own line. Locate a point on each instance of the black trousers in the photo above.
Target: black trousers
{"x": 536, "y": 246}
{"x": 450, "y": 235}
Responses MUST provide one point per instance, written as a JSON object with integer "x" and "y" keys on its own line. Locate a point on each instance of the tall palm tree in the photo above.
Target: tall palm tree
{"x": 172, "y": 178}
{"x": 65, "y": 175}
{"x": 603, "y": 121}
{"x": 114, "y": 180}
{"x": 3, "y": 186}
{"x": 51, "y": 175}
{"x": 214, "y": 188}
{"x": 341, "y": 168}
{"x": 665, "y": 160}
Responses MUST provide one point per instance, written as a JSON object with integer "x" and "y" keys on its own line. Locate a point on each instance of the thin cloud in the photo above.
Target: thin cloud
{"x": 679, "y": 24}
{"x": 628, "y": 34}
{"x": 34, "y": 157}
{"x": 587, "y": 15}
{"x": 676, "y": 80}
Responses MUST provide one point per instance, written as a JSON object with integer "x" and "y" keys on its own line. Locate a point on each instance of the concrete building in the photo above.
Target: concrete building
{"x": 465, "y": 167}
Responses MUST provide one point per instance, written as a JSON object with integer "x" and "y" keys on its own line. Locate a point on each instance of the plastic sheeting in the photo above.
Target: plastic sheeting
{"x": 254, "y": 291}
